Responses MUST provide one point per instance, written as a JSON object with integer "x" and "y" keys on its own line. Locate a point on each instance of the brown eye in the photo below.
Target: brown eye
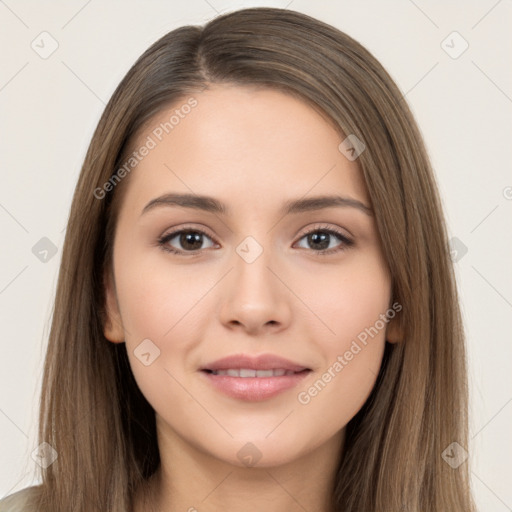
{"x": 188, "y": 240}
{"x": 323, "y": 240}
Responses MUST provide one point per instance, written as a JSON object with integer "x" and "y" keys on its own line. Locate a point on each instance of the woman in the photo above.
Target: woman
{"x": 219, "y": 376}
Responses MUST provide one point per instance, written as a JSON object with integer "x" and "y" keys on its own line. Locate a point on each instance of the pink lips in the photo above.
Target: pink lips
{"x": 252, "y": 387}
{"x": 262, "y": 362}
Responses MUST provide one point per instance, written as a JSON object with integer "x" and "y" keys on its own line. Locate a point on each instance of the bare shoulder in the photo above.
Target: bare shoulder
{"x": 21, "y": 501}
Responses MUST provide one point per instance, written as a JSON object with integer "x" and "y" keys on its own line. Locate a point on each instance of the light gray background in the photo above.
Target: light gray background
{"x": 463, "y": 105}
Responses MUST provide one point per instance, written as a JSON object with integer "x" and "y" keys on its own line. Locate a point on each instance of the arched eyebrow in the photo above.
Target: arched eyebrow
{"x": 295, "y": 206}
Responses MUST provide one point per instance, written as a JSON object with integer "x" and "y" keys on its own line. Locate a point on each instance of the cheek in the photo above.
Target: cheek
{"x": 338, "y": 392}
{"x": 155, "y": 298}
{"x": 170, "y": 308}
{"x": 354, "y": 309}
{"x": 351, "y": 302}
{"x": 158, "y": 310}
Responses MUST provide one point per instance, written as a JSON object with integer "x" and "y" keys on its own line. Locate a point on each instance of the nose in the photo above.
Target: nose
{"x": 254, "y": 297}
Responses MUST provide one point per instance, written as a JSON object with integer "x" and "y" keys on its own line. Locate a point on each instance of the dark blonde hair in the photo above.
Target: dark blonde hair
{"x": 92, "y": 412}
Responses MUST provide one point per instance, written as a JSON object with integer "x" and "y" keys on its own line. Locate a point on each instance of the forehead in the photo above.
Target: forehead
{"x": 228, "y": 139}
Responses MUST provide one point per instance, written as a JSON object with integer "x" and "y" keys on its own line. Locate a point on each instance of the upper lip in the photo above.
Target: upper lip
{"x": 261, "y": 362}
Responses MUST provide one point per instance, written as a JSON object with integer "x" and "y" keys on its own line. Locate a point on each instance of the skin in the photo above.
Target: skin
{"x": 252, "y": 150}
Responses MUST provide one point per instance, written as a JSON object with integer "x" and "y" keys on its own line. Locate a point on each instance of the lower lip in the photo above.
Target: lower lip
{"x": 254, "y": 389}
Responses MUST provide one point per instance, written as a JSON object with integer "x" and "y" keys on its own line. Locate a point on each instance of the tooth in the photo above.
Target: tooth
{"x": 265, "y": 373}
{"x": 247, "y": 373}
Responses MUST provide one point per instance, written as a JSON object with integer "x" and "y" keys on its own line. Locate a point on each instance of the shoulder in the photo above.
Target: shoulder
{"x": 21, "y": 501}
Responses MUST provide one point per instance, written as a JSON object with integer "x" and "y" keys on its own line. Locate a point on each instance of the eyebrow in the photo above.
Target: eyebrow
{"x": 212, "y": 205}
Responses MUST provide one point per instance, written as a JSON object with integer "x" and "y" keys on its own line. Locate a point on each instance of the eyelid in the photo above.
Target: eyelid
{"x": 326, "y": 227}
{"x": 189, "y": 227}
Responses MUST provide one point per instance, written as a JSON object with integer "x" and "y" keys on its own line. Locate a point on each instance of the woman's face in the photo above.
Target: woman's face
{"x": 249, "y": 278}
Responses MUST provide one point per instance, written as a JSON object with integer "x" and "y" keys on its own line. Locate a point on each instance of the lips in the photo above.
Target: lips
{"x": 261, "y": 362}
{"x": 254, "y": 378}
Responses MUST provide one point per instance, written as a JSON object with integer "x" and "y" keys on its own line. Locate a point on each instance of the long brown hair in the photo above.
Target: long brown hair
{"x": 92, "y": 412}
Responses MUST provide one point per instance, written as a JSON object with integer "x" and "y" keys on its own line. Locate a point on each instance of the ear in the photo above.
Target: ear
{"x": 394, "y": 329}
{"x": 113, "y": 325}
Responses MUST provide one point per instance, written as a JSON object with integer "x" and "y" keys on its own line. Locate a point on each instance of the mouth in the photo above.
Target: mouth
{"x": 251, "y": 373}
{"x": 245, "y": 384}
{"x": 253, "y": 379}
{"x": 254, "y": 366}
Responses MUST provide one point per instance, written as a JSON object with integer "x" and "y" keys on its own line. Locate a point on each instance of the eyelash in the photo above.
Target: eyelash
{"x": 346, "y": 242}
